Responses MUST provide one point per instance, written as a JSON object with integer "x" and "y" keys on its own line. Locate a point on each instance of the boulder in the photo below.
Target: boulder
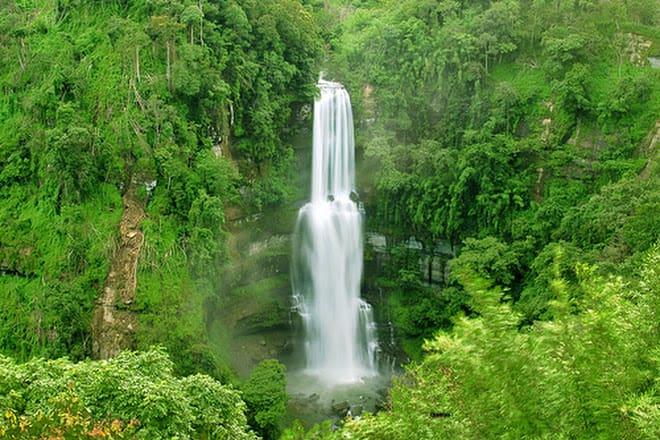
{"x": 341, "y": 408}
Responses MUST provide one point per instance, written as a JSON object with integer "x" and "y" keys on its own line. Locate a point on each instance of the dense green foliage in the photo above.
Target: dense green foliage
{"x": 99, "y": 99}
{"x": 524, "y": 133}
{"x": 264, "y": 392}
{"x": 591, "y": 372}
{"x": 507, "y": 128}
{"x": 134, "y": 395}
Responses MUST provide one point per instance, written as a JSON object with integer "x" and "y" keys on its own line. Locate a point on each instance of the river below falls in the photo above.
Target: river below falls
{"x": 313, "y": 402}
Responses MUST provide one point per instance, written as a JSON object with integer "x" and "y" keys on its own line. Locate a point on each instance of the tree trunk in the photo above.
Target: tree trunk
{"x": 22, "y": 55}
{"x": 168, "y": 69}
{"x": 137, "y": 63}
{"x": 201, "y": 25}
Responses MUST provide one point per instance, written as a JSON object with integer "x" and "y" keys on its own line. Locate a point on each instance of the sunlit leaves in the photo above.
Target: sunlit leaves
{"x": 591, "y": 372}
{"x": 135, "y": 392}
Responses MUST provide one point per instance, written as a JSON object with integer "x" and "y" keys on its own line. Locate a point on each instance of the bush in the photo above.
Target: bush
{"x": 265, "y": 394}
{"x": 135, "y": 393}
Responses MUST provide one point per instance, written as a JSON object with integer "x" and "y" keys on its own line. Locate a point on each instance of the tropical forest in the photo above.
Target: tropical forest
{"x": 329, "y": 219}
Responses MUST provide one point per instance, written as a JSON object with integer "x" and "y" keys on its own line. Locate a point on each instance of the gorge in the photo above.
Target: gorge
{"x": 505, "y": 237}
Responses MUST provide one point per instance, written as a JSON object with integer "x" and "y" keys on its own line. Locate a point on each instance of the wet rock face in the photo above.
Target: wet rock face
{"x": 346, "y": 409}
{"x": 341, "y": 408}
{"x": 314, "y": 408}
{"x": 271, "y": 316}
{"x": 252, "y": 314}
{"x": 432, "y": 258}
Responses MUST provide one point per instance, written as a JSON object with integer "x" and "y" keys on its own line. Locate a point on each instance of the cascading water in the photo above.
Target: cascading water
{"x": 340, "y": 344}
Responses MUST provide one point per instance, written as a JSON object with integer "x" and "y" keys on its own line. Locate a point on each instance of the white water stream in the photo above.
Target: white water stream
{"x": 340, "y": 341}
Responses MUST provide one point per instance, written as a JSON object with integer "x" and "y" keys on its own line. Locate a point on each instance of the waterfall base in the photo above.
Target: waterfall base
{"x": 313, "y": 402}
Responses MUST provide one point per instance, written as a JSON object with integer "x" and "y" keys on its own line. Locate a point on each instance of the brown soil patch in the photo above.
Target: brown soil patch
{"x": 114, "y": 324}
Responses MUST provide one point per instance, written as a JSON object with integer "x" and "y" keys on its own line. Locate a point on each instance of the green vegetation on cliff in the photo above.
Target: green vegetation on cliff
{"x": 178, "y": 102}
{"x": 591, "y": 372}
{"x": 265, "y": 394}
{"x": 509, "y": 129}
{"x": 524, "y": 136}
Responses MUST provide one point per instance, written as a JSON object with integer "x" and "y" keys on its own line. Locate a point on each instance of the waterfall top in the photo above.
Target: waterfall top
{"x": 333, "y": 169}
{"x": 323, "y": 84}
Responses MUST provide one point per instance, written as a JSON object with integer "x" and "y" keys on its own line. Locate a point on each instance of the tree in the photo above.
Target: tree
{"x": 591, "y": 372}
{"x": 499, "y": 30}
{"x": 265, "y": 395}
{"x": 134, "y": 394}
{"x": 487, "y": 258}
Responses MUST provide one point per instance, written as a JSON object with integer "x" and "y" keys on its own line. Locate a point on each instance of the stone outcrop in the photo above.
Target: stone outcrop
{"x": 432, "y": 259}
{"x": 253, "y": 310}
{"x": 649, "y": 149}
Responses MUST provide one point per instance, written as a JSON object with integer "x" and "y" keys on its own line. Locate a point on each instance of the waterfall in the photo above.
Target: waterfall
{"x": 340, "y": 341}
